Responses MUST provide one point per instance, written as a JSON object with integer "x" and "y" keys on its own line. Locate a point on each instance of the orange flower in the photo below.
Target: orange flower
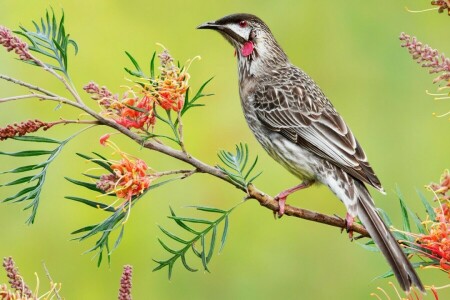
{"x": 136, "y": 108}
{"x": 129, "y": 178}
{"x": 437, "y": 241}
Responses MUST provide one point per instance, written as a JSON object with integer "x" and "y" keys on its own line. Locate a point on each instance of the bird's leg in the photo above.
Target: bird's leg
{"x": 281, "y": 197}
{"x": 349, "y": 219}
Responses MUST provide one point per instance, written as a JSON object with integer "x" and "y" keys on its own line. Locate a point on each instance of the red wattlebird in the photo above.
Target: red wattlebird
{"x": 299, "y": 127}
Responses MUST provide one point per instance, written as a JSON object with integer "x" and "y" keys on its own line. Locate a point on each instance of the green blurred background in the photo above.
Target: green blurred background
{"x": 351, "y": 49}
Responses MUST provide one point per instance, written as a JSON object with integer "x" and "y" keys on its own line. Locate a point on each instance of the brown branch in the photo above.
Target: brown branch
{"x": 28, "y": 85}
{"x": 253, "y": 193}
{"x": 270, "y": 203}
{"x": 201, "y": 167}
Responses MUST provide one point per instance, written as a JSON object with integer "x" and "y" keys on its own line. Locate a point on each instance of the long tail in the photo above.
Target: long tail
{"x": 383, "y": 238}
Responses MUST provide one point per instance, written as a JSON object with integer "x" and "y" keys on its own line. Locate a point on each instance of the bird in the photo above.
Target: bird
{"x": 297, "y": 125}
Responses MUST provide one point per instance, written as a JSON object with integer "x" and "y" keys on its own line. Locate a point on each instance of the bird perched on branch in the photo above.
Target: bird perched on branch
{"x": 299, "y": 127}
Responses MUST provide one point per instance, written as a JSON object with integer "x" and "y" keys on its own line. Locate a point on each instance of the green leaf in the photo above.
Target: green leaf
{"x": 84, "y": 229}
{"x": 91, "y": 203}
{"x": 90, "y": 186}
{"x": 192, "y": 220}
{"x": 21, "y": 169}
{"x": 119, "y": 239}
{"x": 236, "y": 165}
{"x": 36, "y": 139}
{"x": 101, "y": 163}
{"x": 173, "y": 236}
{"x": 224, "y": 234}
{"x": 21, "y": 193}
{"x": 428, "y": 207}
{"x": 406, "y": 224}
{"x": 185, "y": 264}
{"x": 206, "y": 250}
{"x": 50, "y": 39}
{"x": 139, "y": 72}
{"x": 25, "y": 179}
{"x": 152, "y": 66}
{"x": 203, "y": 253}
{"x": 209, "y": 209}
{"x": 27, "y": 153}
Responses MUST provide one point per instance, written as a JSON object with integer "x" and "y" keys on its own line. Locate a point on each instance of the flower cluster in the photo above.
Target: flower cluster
{"x": 131, "y": 111}
{"x": 442, "y": 5}
{"x": 22, "y": 128}
{"x": 129, "y": 178}
{"x": 11, "y": 43}
{"x": 125, "y": 283}
{"x": 15, "y": 280}
{"x": 436, "y": 242}
{"x": 170, "y": 87}
{"x": 135, "y": 109}
{"x": 428, "y": 57}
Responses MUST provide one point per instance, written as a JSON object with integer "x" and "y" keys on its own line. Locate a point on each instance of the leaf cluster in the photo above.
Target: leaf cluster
{"x": 31, "y": 193}
{"x": 116, "y": 219}
{"x": 50, "y": 39}
{"x": 202, "y": 243}
{"x": 236, "y": 166}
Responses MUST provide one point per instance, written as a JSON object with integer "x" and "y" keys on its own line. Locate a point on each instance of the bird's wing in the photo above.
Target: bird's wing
{"x": 299, "y": 111}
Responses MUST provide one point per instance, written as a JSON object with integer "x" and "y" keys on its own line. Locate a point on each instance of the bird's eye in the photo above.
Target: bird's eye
{"x": 243, "y": 23}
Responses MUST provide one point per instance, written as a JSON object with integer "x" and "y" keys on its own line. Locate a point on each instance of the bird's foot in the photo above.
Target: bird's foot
{"x": 349, "y": 219}
{"x": 281, "y": 203}
{"x": 281, "y": 197}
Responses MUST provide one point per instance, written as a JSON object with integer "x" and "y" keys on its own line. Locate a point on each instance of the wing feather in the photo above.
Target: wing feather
{"x": 301, "y": 112}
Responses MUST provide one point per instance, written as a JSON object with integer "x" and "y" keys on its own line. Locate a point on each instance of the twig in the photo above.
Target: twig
{"x": 165, "y": 173}
{"x": 28, "y": 85}
{"x": 64, "y": 121}
{"x": 29, "y": 96}
{"x": 253, "y": 192}
{"x": 182, "y": 155}
{"x": 68, "y": 86}
{"x": 47, "y": 273}
{"x": 180, "y": 132}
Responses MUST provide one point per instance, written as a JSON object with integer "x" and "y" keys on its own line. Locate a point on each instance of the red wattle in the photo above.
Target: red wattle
{"x": 247, "y": 49}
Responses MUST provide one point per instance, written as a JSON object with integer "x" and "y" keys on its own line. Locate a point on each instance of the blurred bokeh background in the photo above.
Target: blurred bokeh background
{"x": 351, "y": 49}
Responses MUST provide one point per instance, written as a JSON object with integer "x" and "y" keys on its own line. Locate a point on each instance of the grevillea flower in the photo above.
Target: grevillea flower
{"x": 442, "y": 5}
{"x": 436, "y": 242}
{"x": 11, "y": 43}
{"x": 125, "y": 283}
{"x": 135, "y": 109}
{"x": 129, "y": 177}
{"x": 131, "y": 111}
{"x": 15, "y": 280}
{"x": 22, "y": 128}
{"x": 170, "y": 88}
{"x": 428, "y": 57}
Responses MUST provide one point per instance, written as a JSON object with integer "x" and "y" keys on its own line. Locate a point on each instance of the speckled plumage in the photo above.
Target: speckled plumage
{"x": 299, "y": 127}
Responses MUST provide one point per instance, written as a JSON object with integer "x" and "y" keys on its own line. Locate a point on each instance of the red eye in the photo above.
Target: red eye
{"x": 243, "y": 23}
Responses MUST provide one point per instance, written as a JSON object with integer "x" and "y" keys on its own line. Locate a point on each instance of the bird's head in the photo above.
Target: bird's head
{"x": 249, "y": 35}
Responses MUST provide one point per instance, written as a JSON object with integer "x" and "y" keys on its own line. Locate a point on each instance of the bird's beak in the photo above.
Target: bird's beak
{"x": 224, "y": 30}
{"x": 209, "y": 25}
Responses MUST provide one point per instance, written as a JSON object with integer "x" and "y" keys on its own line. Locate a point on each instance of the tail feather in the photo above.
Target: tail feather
{"x": 383, "y": 238}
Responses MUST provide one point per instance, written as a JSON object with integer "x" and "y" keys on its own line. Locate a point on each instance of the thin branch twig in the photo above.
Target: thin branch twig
{"x": 68, "y": 86}
{"x": 28, "y": 85}
{"x": 264, "y": 199}
{"x": 182, "y": 155}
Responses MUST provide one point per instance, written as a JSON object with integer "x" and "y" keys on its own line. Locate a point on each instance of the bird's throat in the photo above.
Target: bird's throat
{"x": 247, "y": 49}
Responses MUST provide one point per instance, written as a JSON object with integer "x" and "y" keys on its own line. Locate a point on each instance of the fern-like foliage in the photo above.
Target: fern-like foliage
{"x": 32, "y": 193}
{"x": 236, "y": 165}
{"x": 50, "y": 39}
{"x": 118, "y": 215}
{"x": 203, "y": 241}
